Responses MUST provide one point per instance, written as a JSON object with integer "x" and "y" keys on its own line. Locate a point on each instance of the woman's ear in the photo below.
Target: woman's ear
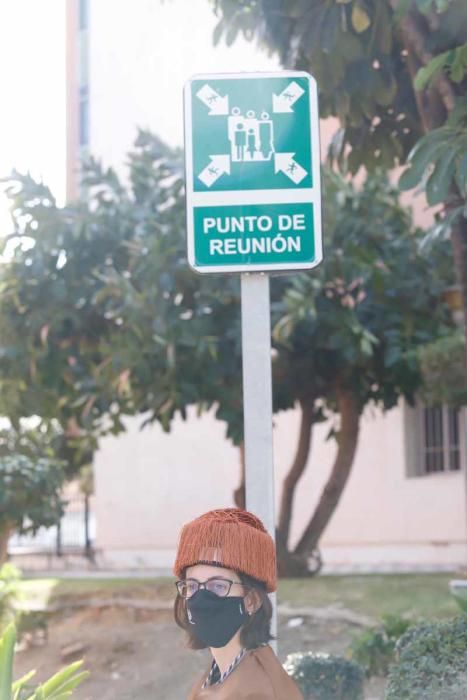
{"x": 253, "y": 601}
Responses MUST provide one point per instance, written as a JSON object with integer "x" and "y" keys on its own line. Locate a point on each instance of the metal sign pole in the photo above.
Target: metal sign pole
{"x": 257, "y": 404}
{"x": 253, "y": 196}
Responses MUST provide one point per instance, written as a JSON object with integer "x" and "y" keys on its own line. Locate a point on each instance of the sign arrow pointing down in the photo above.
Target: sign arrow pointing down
{"x": 285, "y": 163}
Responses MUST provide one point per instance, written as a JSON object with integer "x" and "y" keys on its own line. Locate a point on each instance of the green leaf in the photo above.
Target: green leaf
{"x": 392, "y": 356}
{"x": 458, "y": 67}
{"x": 231, "y": 34}
{"x": 65, "y": 680}
{"x": 439, "y": 182}
{"x": 330, "y": 29}
{"x": 458, "y": 116}
{"x": 218, "y": 31}
{"x": 424, "y": 152}
{"x": 454, "y": 60}
{"x": 430, "y": 71}
{"x": 360, "y": 18}
{"x": 7, "y": 647}
{"x": 461, "y": 175}
{"x": 20, "y": 683}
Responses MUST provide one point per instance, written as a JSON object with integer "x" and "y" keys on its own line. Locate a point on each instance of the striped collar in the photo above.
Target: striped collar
{"x": 215, "y": 677}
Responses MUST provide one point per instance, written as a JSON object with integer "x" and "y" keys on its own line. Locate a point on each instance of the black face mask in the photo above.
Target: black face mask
{"x": 215, "y": 620}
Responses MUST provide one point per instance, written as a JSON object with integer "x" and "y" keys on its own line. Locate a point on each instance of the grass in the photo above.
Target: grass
{"x": 40, "y": 591}
{"x": 416, "y": 595}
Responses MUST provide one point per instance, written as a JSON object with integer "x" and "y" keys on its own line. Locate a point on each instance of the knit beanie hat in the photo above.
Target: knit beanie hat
{"x": 230, "y": 537}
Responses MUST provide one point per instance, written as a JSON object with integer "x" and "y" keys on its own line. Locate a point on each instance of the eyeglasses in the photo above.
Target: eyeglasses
{"x": 220, "y": 586}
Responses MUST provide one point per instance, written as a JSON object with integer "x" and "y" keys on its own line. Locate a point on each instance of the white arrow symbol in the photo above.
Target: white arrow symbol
{"x": 285, "y": 163}
{"x": 288, "y": 97}
{"x": 217, "y": 167}
{"x": 212, "y": 99}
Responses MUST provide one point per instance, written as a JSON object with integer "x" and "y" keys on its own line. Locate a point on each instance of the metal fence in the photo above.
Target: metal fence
{"x": 74, "y": 533}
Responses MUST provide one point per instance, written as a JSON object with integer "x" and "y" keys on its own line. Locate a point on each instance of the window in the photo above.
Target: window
{"x": 433, "y": 440}
{"x": 440, "y": 445}
{"x": 440, "y": 439}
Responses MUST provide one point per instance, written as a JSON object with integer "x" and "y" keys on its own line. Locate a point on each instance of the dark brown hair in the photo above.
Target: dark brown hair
{"x": 255, "y": 631}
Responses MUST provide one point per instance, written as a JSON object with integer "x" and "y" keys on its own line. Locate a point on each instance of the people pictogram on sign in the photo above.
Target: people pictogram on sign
{"x": 251, "y": 139}
{"x": 266, "y": 136}
{"x": 240, "y": 140}
{"x": 251, "y": 143}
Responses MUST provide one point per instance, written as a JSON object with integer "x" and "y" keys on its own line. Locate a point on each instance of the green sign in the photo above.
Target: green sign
{"x": 253, "y": 172}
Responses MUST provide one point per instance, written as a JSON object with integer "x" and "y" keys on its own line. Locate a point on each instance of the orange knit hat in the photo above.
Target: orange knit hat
{"x": 230, "y": 537}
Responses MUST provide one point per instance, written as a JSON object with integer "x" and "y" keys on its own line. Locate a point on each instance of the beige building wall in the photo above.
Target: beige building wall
{"x": 149, "y": 483}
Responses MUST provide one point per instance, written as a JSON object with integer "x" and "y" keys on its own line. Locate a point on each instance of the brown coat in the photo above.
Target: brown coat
{"x": 258, "y": 676}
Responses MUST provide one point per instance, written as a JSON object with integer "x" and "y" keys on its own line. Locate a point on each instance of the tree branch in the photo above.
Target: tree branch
{"x": 347, "y": 445}
{"x": 296, "y": 470}
{"x": 415, "y": 40}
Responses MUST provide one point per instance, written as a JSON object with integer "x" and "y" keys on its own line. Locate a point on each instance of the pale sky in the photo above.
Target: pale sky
{"x": 32, "y": 93}
{"x": 32, "y": 79}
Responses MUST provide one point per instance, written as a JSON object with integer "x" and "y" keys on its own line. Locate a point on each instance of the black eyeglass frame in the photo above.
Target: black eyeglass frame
{"x": 202, "y": 584}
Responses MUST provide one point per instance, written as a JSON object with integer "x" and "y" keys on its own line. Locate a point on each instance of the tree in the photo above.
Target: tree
{"x": 96, "y": 300}
{"x": 39, "y": 459}
{"x": 30, "y": 496}
{"x": 395, "y": 74}
{"x": 347, "y": 336}
{"x": 102, "y": 317}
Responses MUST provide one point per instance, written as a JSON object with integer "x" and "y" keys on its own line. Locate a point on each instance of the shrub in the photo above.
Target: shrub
{"x": 60, "y": 686}
{"x": 326, "y": 677}
{"x": 431, "y": 663}
{"x": 374, "y": 649}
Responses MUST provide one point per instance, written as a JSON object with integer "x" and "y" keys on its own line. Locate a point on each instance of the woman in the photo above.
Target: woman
{"x": 226, "y": 566}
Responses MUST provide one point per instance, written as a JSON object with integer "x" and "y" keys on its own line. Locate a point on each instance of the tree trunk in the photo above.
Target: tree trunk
{"x": 459, "y": 247}
{"x": 239, "y": 493}
{"x": 416, "y": 31}
{"x": 347, "y": 444}
{"x": 296, "y": 471}
{"x": 4, "y": 537}
{"x": 292, "y": 565}
{"x": 416, "y": 37}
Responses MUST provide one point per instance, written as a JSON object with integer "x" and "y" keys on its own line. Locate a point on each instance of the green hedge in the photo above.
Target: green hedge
{"x": 326, "y": 677}
{"x": 374, "y": 649}
{"x": 431, "y": 663}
